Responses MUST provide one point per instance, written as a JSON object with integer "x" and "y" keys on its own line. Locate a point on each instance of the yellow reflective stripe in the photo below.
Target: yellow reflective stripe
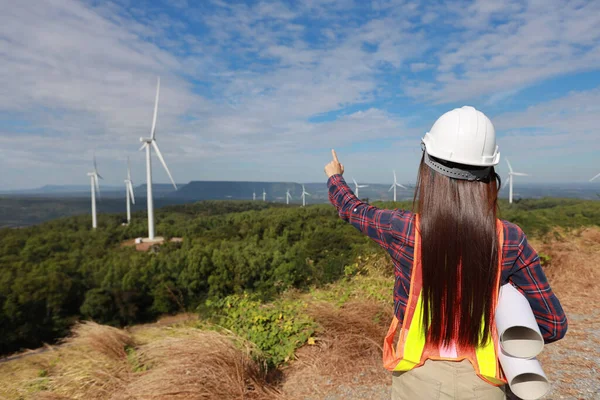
{"x": 415, "y": 340}
{"x": 486, "y": 358}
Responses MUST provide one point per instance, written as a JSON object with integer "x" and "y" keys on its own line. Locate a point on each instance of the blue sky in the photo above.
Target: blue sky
{"x": 261, "y": 90}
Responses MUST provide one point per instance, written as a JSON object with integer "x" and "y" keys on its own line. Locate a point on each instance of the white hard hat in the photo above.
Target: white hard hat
{"x": 464, "y": 136}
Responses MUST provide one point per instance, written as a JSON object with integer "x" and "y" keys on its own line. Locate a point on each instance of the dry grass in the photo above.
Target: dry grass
{"x": 92, "y": 364}
{"x": 574, "y": 270}
{"x": 176, "y": 362}
{"x": 205, "y": 365}
{"x": 349, "y": 350}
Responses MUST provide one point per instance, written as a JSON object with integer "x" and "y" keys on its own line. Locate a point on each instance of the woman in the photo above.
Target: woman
{"x": 450, "y": 259}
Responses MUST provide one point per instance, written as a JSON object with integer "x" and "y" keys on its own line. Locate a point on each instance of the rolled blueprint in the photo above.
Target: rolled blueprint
{"x": 518, "y": 331}
{"x": 525, "y": 377}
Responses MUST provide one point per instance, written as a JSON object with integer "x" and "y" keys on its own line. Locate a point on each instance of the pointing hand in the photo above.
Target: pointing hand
{"x": 334, "y": 167}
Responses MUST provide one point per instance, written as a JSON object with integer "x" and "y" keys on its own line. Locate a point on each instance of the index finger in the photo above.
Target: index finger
{"x": 334, "y": 155}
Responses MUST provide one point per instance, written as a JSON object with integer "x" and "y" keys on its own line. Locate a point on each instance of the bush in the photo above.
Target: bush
{"x": 277, "y": 328}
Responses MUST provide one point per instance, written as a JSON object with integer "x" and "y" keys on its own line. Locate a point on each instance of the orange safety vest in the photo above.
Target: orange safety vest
{"x": 412, "y": 349}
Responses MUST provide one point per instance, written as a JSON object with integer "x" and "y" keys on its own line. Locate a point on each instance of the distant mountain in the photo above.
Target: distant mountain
{"x": 60, "y": 190}
{"x": 158, "y": 189}
{"x": 231, "y": 190}
{"x": 242, "y": 190}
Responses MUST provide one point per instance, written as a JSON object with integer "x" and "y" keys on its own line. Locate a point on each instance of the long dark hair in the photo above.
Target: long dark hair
{"x": 459, "y": 255}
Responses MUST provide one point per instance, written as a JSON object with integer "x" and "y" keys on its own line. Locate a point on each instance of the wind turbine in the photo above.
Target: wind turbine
{"x": 149, "y": 144}
{"x": 254, "y": 195}
{"x": 304, "y": 194}
{"x": 95, "y": 187}
{"x": 357, "y": 186}
{"x": 129, "y": 192}
{"x": 594, "y": 177}
{"x": 394, "y": 185}
{"x": 288, "y": 197}
{"x": 509, "y": 181}
{"x": 264, "y": 195}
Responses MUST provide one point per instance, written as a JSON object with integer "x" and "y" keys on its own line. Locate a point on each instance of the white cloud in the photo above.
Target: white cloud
{"x": 552, "y": 136}
{"x": 510, "y": 45}
{"x": 418, "y": 67}
{"x": 83, "y": 78}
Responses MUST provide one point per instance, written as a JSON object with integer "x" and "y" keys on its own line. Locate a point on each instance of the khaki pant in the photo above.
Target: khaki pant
{"x": 443, "y": 380}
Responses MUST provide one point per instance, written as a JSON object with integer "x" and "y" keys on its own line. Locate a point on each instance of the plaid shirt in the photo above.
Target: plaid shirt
{"x": 394, "y": 231}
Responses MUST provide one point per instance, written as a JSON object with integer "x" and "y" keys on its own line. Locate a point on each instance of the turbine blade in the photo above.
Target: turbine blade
{"x": 519, "y": 174}
{"x": 391, "y": 187}
{"x": 509, "y": 166}
{"x": 505, "y": 182}
{"x": 594, "y": 177}
{"x": 162, "y": 160}
{"x": 355, "y": 181}
{"x": 97, "y": 185}
{"x": 308, "y": 194}
{"x": 394, "y": 176}
{"x": 402, "y": 186}
{"x": 131, "y": 192}
{"x": 143, "y": 147}
{"x": 153, "y": 131}
{"x": 128, "y": 170}
{"x": 99, "y": 176}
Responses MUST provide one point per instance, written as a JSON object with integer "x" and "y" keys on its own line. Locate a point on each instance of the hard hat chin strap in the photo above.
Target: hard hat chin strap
{"x": 457, "y": 171}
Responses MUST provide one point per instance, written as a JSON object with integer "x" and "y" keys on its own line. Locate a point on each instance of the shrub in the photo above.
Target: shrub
{"x": 277, "y": 328}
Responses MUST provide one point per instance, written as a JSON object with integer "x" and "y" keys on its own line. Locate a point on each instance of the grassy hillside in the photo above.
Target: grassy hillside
{"x": 323, "y": 342}
{"x": 53, "y": 274}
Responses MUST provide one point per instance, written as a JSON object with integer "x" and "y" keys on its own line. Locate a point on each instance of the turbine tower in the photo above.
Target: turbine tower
{"x": 394, "y": 185}
{"x": 509, "y": 181}
{"x": 149, "y": 144}
{"x": 254, "y": 195}
{"x": 95, "y": 187}
{"x": 594, "y": 177}
{"x": 129, "y": 192}
{"x": 288, "y": 197}
{"x": 357, "y": 186}
{"x": 304, "y": 194}
{"x": 264, "y": 195}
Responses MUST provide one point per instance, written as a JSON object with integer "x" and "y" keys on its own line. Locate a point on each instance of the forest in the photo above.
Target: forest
{"x": 59, "y": 272}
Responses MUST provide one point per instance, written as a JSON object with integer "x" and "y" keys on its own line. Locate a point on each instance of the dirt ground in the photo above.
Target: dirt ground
{"x": 573, "y": 364}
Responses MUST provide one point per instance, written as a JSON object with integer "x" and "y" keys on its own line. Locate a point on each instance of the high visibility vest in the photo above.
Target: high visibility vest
{"x": 412, "y": 349}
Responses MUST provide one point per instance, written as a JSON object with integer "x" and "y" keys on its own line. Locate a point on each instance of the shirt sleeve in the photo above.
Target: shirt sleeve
{"x": 372, "y": 221}
{"x": 528, "y": 277}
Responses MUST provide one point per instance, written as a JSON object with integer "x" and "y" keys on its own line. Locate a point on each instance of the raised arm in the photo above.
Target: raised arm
{"x": 372, "y": 221}
{"x": 528, "y": 277}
